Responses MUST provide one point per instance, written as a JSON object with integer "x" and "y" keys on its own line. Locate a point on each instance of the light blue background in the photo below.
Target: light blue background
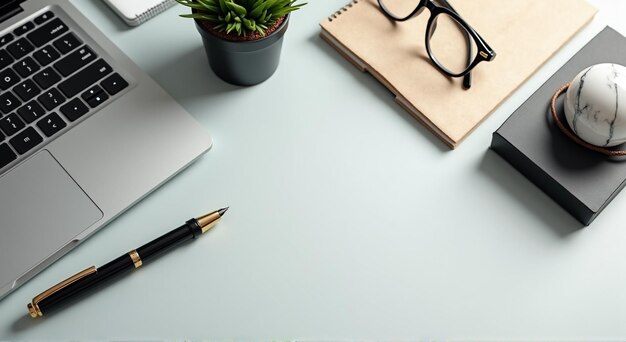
{"x": 348, "y": 219}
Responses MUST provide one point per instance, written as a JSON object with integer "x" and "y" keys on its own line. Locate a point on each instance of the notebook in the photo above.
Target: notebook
{"x": 135, "y": 12}
{"x": 524, "y": 34}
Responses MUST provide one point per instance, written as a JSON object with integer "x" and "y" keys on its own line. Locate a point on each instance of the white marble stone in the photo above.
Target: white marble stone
{"x": 595, "y": 105}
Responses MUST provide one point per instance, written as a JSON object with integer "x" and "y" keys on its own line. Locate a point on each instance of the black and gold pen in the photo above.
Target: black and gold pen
{"x": 80, "y": 283}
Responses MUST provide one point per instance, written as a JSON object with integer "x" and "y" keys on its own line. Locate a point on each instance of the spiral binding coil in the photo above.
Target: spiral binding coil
{"x": 342, "y": 9}
{"x": 153, "y": 11}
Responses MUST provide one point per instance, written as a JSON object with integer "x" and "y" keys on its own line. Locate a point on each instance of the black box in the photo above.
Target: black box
{"x": 583, "y": 182}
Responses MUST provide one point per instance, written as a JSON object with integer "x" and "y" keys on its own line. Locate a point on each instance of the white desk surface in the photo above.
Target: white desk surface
{"x": 348, "y": 219}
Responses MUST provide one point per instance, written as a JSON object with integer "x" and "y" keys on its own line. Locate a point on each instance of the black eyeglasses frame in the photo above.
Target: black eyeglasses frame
{"x": 484, "y": 51}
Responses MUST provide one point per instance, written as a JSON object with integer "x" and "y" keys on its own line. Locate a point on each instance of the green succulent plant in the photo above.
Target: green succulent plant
{"x": 240, "y": 16}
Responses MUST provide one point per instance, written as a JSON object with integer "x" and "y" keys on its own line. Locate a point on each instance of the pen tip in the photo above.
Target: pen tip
{"x": 223, "y": 211}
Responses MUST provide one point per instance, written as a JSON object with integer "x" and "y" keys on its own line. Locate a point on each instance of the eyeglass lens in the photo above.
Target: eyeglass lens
{"x": 448, "y": 44}
{"x": 400, "y": 8}
{"x": 448, "y": 39}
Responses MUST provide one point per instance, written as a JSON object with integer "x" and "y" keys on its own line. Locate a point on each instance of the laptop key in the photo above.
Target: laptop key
{"x": 43, "y": 18}
{"x": 48, "y": 32}
{"x": 91, "y": 92}
{"x": 26, "y": 140}
{"x": 97, "y": 99}
{"x": 26, "y": 67}
{"x": 67, "y": 43}
{"x": 6, "y": 155}
{"x": 24, "y": 28}
{"x": 75, "y": 61}
{"x": 46, "y": 55}
{"x": 51, "y": 124}
{"x": 47, "y": 78}
{"x": 20, "y": 48}
{"x": 5, "y": 59}
{"x": 51, "y": 98}
{"x": 27, "y": 90}
{"x": 11, "y": 124}
{"x": 85, "y": 78}
{"x": 8, "y": 102}
{"x": 6, "y": 39}
{"x": 74, "y": 109}
{"x": 8, "y": 78}
{"x": 31, "y": 111}
{"x": 114, "y": 84}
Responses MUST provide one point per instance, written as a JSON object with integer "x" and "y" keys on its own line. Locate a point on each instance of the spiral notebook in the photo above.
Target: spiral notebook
{"x": 524, "y": 33}
{"x": 136, "y": 12}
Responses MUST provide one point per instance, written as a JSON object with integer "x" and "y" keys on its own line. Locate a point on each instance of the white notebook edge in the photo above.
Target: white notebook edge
{"x": 137, "y": 12}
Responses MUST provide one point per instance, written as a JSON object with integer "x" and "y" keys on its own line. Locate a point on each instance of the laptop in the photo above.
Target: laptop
{"x": 84, "y": 134}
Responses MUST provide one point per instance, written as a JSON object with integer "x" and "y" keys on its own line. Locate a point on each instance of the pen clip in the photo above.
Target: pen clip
{"x": 33, "y": 308}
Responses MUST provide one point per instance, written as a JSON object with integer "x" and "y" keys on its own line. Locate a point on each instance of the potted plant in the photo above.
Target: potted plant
{"x": 242, "y": 38}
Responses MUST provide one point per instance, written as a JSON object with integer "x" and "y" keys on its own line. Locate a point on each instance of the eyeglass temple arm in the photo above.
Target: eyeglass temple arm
{"x": 467, "y": 79}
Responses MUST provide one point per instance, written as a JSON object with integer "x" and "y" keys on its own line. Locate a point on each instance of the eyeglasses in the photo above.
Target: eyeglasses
{"x": 450, "y": 41}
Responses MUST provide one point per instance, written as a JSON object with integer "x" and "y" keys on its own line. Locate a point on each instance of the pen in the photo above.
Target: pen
{"x": 83, "y": 281}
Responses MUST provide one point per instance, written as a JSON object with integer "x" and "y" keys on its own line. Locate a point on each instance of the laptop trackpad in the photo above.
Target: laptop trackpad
{"x": 41, "y": 210}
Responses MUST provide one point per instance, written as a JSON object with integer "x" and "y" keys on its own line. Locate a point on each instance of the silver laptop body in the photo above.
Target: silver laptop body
{"x": 115, "y": 135}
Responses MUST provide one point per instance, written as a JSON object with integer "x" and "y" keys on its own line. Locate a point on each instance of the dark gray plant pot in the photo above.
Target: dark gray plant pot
{"x": 247, "y": 62}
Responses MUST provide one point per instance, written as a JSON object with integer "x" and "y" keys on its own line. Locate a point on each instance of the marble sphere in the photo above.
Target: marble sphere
{"x": 595, "y": 105}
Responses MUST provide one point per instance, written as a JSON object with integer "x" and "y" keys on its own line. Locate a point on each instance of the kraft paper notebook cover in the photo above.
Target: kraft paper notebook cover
{"x": 524, "y": 34}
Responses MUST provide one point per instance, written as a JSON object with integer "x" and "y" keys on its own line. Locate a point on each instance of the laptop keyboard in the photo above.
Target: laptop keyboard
{"x": 48, "y": 80}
